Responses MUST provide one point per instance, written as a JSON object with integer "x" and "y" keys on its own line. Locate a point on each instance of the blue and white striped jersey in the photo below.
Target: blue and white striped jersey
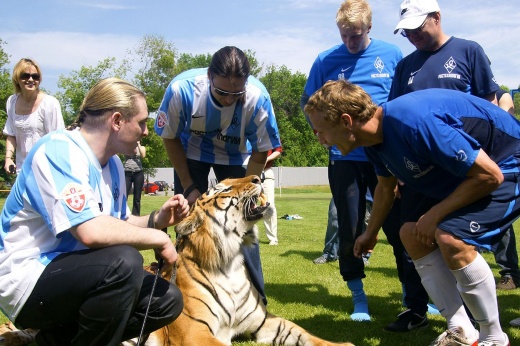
{"x": 61, "y": 185}
{"x": 212, "y": 133}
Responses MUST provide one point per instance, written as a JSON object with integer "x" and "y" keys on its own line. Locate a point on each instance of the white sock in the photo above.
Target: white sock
{"x": 477, "y": 287}
{"x": 441, "y": 286}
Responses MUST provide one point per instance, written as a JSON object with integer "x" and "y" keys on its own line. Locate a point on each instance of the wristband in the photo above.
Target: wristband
{"x": 190, "y": 189}
{"x": 151, "y": 219}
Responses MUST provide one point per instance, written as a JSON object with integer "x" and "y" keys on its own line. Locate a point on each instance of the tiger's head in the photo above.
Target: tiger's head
{"x": 223, "y": 219}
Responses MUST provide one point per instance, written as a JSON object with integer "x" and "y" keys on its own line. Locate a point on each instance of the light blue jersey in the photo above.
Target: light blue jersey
{"x": 61, "y": 185}
{"x": 211, "y": 133}
{"x": 371, "y": 69}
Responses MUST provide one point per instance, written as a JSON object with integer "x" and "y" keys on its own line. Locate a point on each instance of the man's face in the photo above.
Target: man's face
{"x": 227, "y": 90}
{"x": 355, "y": 38}
{"x": 330, "y": 133}
{"x": 134, "y": 129}
{"x": 423, "y": 37}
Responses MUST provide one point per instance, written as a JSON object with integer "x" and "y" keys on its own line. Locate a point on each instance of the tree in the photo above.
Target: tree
{"x": 6, "y": 89}
{"x": 76, "y": 86}
{"x": 300, "y": 147}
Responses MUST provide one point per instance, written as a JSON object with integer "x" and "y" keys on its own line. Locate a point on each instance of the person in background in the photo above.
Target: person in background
{"x": 370, "y": 63}
{"x": 461, "y": 153}
{"x": 134, "y": 175}
{"x": 268, "y": 182}
{"x": 505, "y": 252}
{"x": 31, "y": 114}
{"x": 70, "y": 264}
{"x": 217, "y": 118}
{"x": 443, "y": 61}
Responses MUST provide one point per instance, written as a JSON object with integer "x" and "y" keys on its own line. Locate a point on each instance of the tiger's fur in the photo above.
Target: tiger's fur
{"x": 220, "y": 302}
{"x": 12, "y": 336}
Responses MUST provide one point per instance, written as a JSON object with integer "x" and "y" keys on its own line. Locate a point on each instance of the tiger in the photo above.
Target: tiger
{"x": 12, "y": 336}
{"x": 220, "y": 302}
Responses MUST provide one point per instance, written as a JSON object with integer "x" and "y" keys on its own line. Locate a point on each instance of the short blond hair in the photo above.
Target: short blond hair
{"x": 339, "y": 97}
{"x": 20, "y": 68}
{"x": 354, "y": 13}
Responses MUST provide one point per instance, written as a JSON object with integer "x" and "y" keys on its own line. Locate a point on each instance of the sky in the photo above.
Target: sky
{"x": 64, "y": 35}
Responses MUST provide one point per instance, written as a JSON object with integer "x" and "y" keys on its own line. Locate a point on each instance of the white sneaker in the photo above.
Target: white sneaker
{"x": 455, "y": 337}
{"x": 489, "y": 343}
{"x": 515, "y": 322}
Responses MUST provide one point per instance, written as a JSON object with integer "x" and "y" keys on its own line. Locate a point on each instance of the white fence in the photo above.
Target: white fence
{"x": 285, "y": 176}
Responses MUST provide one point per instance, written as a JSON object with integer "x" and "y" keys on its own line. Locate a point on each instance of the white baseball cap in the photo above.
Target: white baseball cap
{"x": 413, "y": 13}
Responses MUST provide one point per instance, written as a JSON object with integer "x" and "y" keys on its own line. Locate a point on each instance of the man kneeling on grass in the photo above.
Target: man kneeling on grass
{"x": 70, "y": 264}
{"x": 463, "y": 153}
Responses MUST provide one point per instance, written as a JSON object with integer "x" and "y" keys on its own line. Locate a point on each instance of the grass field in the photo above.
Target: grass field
{"x": 315, "y": 297}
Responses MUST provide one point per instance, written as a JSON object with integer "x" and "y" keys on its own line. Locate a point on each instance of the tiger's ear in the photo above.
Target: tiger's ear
{"x": 190, "y": 223}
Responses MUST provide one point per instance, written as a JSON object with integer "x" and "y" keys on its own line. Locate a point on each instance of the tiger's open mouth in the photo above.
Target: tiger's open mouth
{"x": 255, "y": 207}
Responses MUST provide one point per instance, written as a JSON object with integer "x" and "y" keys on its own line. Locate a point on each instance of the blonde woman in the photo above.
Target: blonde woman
{"x": 31, "y": 114}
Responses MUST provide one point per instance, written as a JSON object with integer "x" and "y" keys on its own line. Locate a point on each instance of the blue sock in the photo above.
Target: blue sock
{"x": 359, "y": 300}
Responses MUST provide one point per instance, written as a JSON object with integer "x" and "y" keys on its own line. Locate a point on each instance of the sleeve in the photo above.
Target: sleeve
{"x": 9, "y": 127}
{"x": 62, "y": 193}
{"x": 170, "y": 120}
{"x": 483, "y": 81}
{"x": 457, "y": 151}
{"x": 378, "y": 164}
{"x": 262, "y": 132}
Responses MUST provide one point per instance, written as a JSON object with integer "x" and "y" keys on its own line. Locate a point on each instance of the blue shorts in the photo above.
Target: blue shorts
{"x": 481, "y": 223}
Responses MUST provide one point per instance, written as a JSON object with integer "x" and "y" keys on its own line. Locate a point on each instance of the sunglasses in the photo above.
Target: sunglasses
{"x": 34, "y": 76}
{"x": 417, "y": 31}
{"x": 225, "y": 93}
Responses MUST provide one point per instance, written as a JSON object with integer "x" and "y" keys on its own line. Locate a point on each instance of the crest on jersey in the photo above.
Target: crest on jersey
{"x": 161, "y": 119}
{"x": 74, "y": 197}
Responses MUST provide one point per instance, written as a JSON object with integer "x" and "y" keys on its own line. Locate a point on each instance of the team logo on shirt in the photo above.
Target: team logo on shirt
{"x": 161, "y": 119}
{"x": 74, "y": 197}
{"x": 450, "y": 65}
{"x": 461, "y": 156}
{"x": 379, "y": 65}
{"x": 474, "y": 226}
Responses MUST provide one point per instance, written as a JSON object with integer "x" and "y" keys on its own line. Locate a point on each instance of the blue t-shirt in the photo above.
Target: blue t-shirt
{"x": 210, "y": 132}
{"x": 371, "y": 69}
{"x": 432, "y": 137}
{"x": 458, "y": 65}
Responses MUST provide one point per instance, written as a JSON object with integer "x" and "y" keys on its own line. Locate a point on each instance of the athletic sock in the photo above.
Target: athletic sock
{"x": 476, "y": 285}
{"x": 441, "y": 286}
{"x": 359, "y": 299}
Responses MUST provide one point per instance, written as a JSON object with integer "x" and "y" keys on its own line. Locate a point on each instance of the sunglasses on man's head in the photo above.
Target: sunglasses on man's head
{"x": 34, "y": 76}
{"x": 224, "y": 93}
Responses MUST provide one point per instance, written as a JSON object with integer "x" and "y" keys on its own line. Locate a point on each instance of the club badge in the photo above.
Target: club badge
{"x": 74, "y": 197}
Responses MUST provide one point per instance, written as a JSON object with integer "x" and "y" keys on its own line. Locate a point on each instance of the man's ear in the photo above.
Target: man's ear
{"x": 346, "y": 120}
{"x": 116, "y": 120}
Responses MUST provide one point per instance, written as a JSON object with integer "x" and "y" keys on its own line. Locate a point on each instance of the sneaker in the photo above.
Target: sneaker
{"x": 515, "y": 322}
{"x": 406, "y": 321}
{"x": 273, "y": 242}
{"x": 454, "y": 338}
{"x": 488, "y": 343}
{"x": 506, "y": 283}
{"x": 323, "y": 259}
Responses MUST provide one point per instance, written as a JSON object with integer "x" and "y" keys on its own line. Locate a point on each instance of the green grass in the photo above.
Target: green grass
{"x": 316, "y": 298}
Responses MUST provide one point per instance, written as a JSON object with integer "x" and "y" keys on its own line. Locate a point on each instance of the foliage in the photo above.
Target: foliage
{"x": 6, "y": 89}
{"x": 300, "y": 147}
{"x": 79, "y": 83}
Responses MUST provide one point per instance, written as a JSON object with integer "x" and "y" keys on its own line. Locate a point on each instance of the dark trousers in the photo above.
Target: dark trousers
{"x": 349, "y": 182}
{"x": 137, "y": 178}
{"x": 506, "y": 255}
{"x": 199, "y": 172}
{"x": 98, "y": 297}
